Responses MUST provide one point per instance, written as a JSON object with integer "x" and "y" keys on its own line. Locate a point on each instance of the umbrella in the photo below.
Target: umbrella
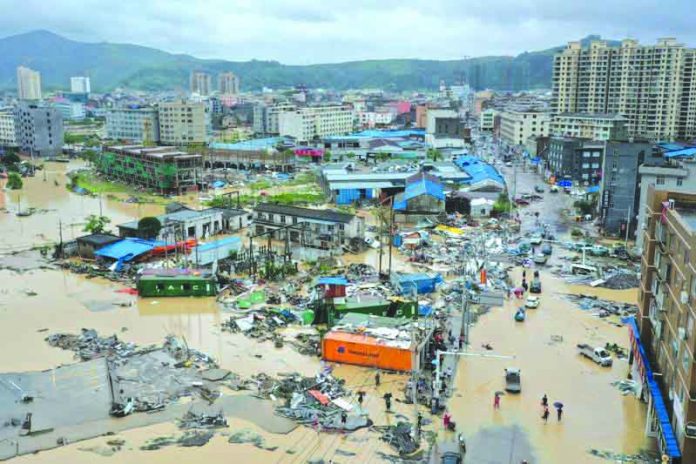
{"x": 500, "y": 393}
{"x": 558, "y": 405}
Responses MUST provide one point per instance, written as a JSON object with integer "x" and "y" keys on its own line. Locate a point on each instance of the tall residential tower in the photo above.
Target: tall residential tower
{"x": 28, "y": 84}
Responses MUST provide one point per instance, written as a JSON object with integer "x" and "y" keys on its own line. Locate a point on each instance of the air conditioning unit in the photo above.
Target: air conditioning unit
{"x": 690, "y": 429}
{"x": 681, "y": 333}
{"x": 671, "y": 203}
{"x": 684, "y": 297}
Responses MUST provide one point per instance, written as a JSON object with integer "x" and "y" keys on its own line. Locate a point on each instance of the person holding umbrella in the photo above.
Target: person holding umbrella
{"x": 559, "y": 409}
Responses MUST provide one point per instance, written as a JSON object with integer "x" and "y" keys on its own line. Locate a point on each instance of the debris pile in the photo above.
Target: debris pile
{"x": 621, "y": 280}
{"x": 195, "y": 420}
{"x": 603, "y": 308}
{"x": 399, "y": 437}
{"x": 627, "y": 387}
{"x": 89, "y": 345}
{"x": 643, "y": 457}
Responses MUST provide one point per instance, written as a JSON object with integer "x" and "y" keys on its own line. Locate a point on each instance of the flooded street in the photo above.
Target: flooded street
{"x": 543, "y": 347}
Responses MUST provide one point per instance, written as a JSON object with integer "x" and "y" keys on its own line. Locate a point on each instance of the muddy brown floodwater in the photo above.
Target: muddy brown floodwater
{"x": 596, "y": 414}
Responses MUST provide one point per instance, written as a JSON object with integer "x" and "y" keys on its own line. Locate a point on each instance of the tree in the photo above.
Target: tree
{"x": 10, "y": 158}
{"x": 14, "y": 181}
{"x": 587, "y": 206}
{"x": 149, "y": 227}
{"x": 96, "y": 224}
{"x": 502, "y": 204}
{"x": 327, "y": 156}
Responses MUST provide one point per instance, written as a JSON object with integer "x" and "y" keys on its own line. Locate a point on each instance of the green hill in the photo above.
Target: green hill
{"x": 143, "y": 68}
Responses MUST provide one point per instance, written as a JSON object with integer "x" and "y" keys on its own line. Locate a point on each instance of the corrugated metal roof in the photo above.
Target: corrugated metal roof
{"x": 683, "y": 153}
{"x": 127, "y": 249}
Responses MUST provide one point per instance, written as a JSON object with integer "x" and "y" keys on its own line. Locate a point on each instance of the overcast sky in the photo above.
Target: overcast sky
{"x": 320, "y": 31}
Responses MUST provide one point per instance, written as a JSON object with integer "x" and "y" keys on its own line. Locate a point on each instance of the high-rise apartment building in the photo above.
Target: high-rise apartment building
{"x": 653, "y": 86}
{"x": 80, "y": 84}
{"x": 133, "y": 124}
{"x": 663, "y": 340}
{"x": 182, "y": 122}
{"x": 308, "y": 123}
{"x": 228, "y": 83}
{"x": 201, "y": 83}
{"x": 8, "y": 137}
{"x": 517, "y": 126}
{"x": 39, "y": 130}
{"x": 28, "y": 84}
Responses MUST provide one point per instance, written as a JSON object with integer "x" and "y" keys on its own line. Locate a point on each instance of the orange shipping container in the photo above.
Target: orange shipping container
{"x": 363, "y": 350}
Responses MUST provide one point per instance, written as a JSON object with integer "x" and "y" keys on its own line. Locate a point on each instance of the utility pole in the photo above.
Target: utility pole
{"x": 60, "y": 235}
{"x": 628, "y": 223}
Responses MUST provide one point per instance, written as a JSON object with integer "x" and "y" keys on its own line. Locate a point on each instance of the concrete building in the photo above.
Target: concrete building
{"x": 653, "y": 86}
{"x": 71, "y": 111}
{"x": 311, "y": 122}
{"x": 588, "y": 126}
{"x": 200, "y": 83}
{"x": 228, "y": 83}
{"x": 133, "y": 124}
{"x": 80, "y": 84}
{"x": 371, "y": 119}
{"x": 480, "y": 98}
{"x": 39, "y": 130}
{"x": 663, "y": 341}
{"x": 325, "y": 229}
{"x": 517, "y": 126}
{"x": 28, "y": 84}
{"x": 182, "y": 122}
{"x": 266, "y": 117}
{"x": 674, "y": 172}
{"x": 579, "y": 160}
{"x": 8, "y": 136}
{"x": 618, "y": 200}
{"x": 487, "y": 119}
{"x": 162, "y": 169}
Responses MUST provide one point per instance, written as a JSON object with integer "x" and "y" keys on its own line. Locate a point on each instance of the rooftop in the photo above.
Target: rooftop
{"x": 317, "y": 214}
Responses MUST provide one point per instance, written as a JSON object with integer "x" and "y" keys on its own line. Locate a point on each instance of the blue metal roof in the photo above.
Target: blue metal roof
{"x": 478, "y": 170}
{"x": 219, "y": 249}
{"x": 671, "y": 443}
{"x": 593, "y": 189}
{"x": 417, "y": 185}
{"x": 127, "y": 249}
{"x": 337, "y": 280}
{"x": 379, "y": 134}
{"x": 684, "y": 152}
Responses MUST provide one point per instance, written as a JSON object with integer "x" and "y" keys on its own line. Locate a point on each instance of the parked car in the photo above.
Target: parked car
{"x": 532, "y": 302}
{"x": 521, "y": 201}
{"x": 513, "y": 381}
{"x": 535, "y": 286}
{"x": 535, "y": 239}
{"x": 553, "y": 189}
{"x": 547, "y": 249}
{"x": 599, "y": 250}
{"x": 539, "y": 189}
{"x": 598, "y": 355}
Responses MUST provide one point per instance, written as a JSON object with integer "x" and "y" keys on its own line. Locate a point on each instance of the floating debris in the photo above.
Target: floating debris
{"x": 627, "y": 387}
{"x": 399, "y": 437}
{"x": 644, "y": 457}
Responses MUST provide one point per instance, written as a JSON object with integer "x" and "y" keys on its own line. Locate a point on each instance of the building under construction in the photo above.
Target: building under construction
{"x": 161, "y": 169}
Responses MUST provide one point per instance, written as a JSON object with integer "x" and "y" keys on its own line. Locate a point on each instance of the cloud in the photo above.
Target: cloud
{"x": 313, "y": 31}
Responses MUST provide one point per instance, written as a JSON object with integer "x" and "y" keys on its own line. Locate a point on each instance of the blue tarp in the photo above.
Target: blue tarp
{"x": 593, "y": 189}
{"x": 337, "y": 280}
{"x": 565, "y": 183}
{"x": 127, "y": 249}
{"x": 218, "y": 184}
{"x": 671, "y": 443}
{"x": 424, "y": 310}
{"x": 535, "y": 161}
{"x": 422, "y": 283}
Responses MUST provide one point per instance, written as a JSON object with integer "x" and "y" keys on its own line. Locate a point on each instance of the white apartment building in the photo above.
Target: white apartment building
{"x": 305, "y": 124}
{"x": 517, "y": 126}
{"x": 596, "y": 126}
{"x": 133, "y": 124}
{"x": 182, "y": 122}
{"x": 653, "y": 86}
{"x": 375, "y": 118}
{"x": 266, "y": 117}
{"x": 228, "y": 83}
{"x": 8, "y": 137}
{"x": 71, "y": 111}
{"x": 80, "y": 84}
{"x": 28, "y": 84}
{"x": 487, "y": 119}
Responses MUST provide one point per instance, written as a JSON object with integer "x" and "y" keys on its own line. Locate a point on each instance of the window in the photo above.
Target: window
{"x": 186, "y": 287}
{"x": 660, "y": 180}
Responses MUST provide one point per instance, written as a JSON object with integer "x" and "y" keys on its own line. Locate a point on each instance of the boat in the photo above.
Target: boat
{"x": 520, "y": 315}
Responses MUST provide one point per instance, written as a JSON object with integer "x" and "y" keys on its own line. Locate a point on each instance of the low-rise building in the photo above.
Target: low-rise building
{"x": 317, "y": 228}
{"x": 140, "y": 125}
{"x": 618, "y": 201}
{"x": 579, "y": 160}
{"x": 39, "y": 130}
{"x": 309, "y": 123}
{"x": 593, "y": 126}
{"x": 8, "y": 135}
{"x": 663, "y": 339}
{"x": 423, "y": 198}
{"x": 183, "y": 122}
{"x": 162, "y": 169}
{"x": 517, "y": 126}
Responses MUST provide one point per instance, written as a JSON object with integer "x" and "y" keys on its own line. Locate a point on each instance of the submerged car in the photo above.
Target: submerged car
{"x": 532, "y": 302}
{"x": 539, "y": 189}
{"x": 513, "y": 381}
